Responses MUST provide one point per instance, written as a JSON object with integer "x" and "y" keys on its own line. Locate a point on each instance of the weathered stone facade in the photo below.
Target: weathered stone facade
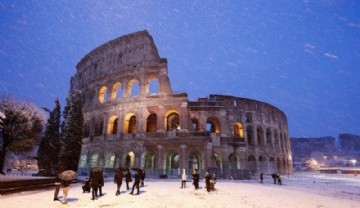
{"x": 133, "y": 119}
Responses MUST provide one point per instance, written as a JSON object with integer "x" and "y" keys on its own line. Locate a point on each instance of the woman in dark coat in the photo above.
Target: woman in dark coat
{"x": 118, "y": 180}
{"x": 127, "y": 178}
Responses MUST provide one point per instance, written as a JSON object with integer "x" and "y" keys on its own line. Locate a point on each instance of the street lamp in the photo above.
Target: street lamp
{"x": 353, "y": 162}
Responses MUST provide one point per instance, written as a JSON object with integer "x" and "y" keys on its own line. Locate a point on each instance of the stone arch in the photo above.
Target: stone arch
{"x": 151, "y": 123}
{"x": 268, "y": 137}
{"x": 103, "y": 94}
{"x": 94, "y": 159}
{"x": 250, "y": 135}
{"x": 116, "y": 91}
{"x": 134, "y": 86}
{"x": 172, "y": 121}
{"x": 251, "y": 163}
{"x": 272, "y": 165}
{"x": 172, "y": 161}
{"x": 129, "y": 159}
{"x": 109, "y": 160}
{"x": 238, "y": 130}
{"x": 263, "y": 164}
{"x": 130, "y": 123}
{"x": 148, "y": 160}
{"x": 153, "y": 86}
{"x": 248, "y": 117}
{"x": 260, "y": 136}
{"x": 87, "y": 128}
{"x": 234, "y": 161}
{"x": 196, "y": 124}
{"x": 195, "y": 161}
{"x": 112, "y": 127}
{"x": 276, "y": 139}
{"x": 83, "y": 163}
{"x": 219, "y": 163}
{"x": 98, "y": 126}
{"x": 213, "y": 125}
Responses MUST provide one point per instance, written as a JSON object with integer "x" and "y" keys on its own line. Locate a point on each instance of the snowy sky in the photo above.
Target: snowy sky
{"x": 300, "y": 56}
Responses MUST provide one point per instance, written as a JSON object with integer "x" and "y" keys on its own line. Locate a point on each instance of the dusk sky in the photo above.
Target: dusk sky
{"x": 300, "y": 56}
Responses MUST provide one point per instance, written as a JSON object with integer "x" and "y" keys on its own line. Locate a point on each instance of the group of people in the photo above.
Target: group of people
{"x": 209, "y": 180}
{"x": 276, "y": 178}
{"x": 139, "y": 178}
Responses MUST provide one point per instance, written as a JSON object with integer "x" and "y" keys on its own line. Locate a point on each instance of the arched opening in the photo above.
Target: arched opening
{"x": 173, "y": 121}
{"x": 272, "y": 165}
{"x": 276, "y": 138}
{"x": 263, "y": 164}
{"x": 116, "y": 91}
{"x": 248, "y": 117}
{"x": 130, "y": 160}
{"x": 151, "y": 123}
{"x": 86, "y": 133}
{"x": 278, "y": 165}
{"x": 194, "y": 161}
{"x": 83, "y": 161}
{"x": 130, "y": 123}
{"x": 234, "y": 161}
{"x": 268, "y": 137}
{"x": 238, "y": 130}
{"x": 98, "y": 129}
{"x": 219, "y": 164}
{"x": 154, "y": 87}
{"x": 135, "y": 88}
{"x": 94, "y": 160}
{"x": 260, "y": 136}
{"x": 213, "y": 125}
{"x": 196, "y": 124}
{"x": 112, "y": 125}
{"x": 103, "y": 95}
{"x": 148, "y": 160}
{"x": 110, "y": 160}
{"x": 172, "y": 163}
{"x": 250, "y": 135}
{"x": 252, "y": 163}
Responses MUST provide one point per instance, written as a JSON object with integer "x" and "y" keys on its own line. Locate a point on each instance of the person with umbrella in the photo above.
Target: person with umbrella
{"x": 66, "y": 177}
{"x": 118, "y": 180}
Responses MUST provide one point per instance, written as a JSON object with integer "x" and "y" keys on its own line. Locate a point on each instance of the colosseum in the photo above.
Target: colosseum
{"x": 134, "y": 119}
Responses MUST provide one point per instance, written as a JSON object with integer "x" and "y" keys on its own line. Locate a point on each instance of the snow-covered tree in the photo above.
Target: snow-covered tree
{"x": 71, "y": 132}
{"x": 49, "y": 149}
{"x": 21, "y": 126}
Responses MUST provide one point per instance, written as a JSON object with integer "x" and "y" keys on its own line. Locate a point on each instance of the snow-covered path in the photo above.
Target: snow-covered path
{"x": 167, "y": 194}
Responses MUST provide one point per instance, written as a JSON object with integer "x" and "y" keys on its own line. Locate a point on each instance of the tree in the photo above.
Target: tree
{"x": 21, "y": 125}
{"x": 71, "y": 132}
{"x": 49, "y": 149}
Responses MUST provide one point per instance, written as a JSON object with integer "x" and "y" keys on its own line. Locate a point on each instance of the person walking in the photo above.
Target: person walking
{"x": 94, "y": 181}
{"x": 127, "y": 178}
{"x": 57, "y": 189}
{"x": 118, "y": 180}
{"x": 101, "y": 181}
{"x": 183, "y": 179}
{"x": 274, "y": 177}
{"x": 279, "y": 179}
{"x": 261, "y": 178}
{"x": 207, "y": 181}
{"x": 196, "y": 178}
{"x": 142, "y": 177}
{"x": 65, "y": 188}
{"x": 136, "y": 183}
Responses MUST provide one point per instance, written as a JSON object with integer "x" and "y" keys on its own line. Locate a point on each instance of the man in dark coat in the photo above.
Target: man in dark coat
{"x": 142, "y": 178}
{"x": 196, "y": 178}
{"x": 207, "y": 181}
{"x": 101, "y": 182}
{"x": 136, "y": 183}
{"x": 127, "y": 178}
{"x": 118, "y": 180}
{"x": 95, "y": 182}
{"x": 274, "y": 177}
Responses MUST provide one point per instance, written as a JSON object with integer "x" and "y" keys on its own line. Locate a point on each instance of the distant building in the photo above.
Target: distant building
{"x": 133, "y": 119}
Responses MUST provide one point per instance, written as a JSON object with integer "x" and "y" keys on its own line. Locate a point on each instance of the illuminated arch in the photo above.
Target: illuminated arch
{"x": 151, "y": 123}
{"x": 112, "y": 125}
{"x": 116, "y": 91}
{"x": 110, "y": 160}
{"x": 213, "y": 125}
{"x": 130, "y": 123}
{"x": 172, "y": 121}
{"x": 194, "y": 161}
{"x": 238, "y": 130}
{"x": 103, "y": 94}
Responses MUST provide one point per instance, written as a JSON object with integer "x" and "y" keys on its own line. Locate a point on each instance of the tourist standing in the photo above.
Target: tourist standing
{"x": 142, "y": 177}
{"x": 94, "y": 181}
{"x": 207, "y": 181}
{"x": 183, "y": 179}
{"x": 136, "y": 183}
{"x": 196, "y": 178}
{"x": 118, "y": 180}
{"x": 261, "y": 178}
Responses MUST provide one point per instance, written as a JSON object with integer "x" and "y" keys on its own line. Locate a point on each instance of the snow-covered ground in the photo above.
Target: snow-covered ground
{"x": 298, "y": 190}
